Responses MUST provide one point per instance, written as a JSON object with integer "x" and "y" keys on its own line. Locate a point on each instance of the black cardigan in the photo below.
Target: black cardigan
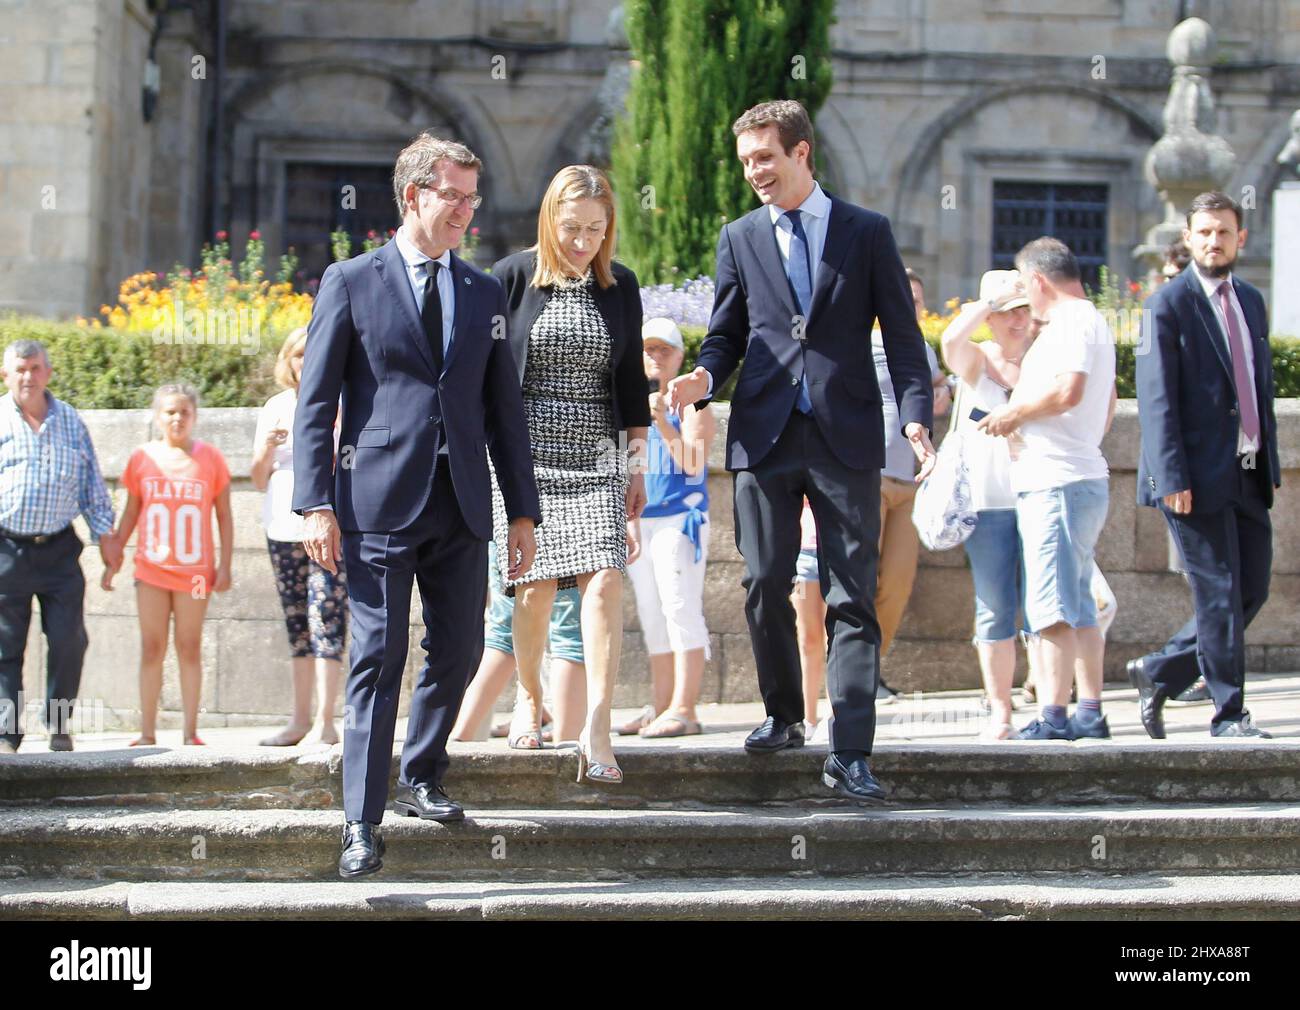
{"x": 619, "y": 305}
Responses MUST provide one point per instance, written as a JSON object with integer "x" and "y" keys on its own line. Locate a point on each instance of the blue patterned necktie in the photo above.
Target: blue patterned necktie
{"x": 801, "y": 281}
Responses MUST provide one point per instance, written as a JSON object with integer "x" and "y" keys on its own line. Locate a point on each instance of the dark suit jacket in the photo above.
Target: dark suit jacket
{"x": 1187, "y": 400}
{"x": 620, "y": 307}
{"x": 365, "y": 342}
{"x": 860, "y": 278}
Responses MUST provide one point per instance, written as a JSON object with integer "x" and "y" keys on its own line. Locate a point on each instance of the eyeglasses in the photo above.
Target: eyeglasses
{"x": 595, "y": 232}
{"x": 454, "y": 197}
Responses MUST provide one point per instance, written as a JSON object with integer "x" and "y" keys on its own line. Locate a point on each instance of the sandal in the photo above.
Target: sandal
{"x": 596, "y": 771}
{"x": 502, "y": 729}
{"x": 525, "y": 738}
{"x": 142, "y": 742}
{"x": 639, "y": 722}
{"x": 680, "y": 726}
{"x": 194, "y": 741}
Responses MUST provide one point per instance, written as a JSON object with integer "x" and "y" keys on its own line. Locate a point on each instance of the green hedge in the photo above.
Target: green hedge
{"x": 102, "y": 368}
{"x": 107, "y": 369}
{"x": 1286, "y": 364}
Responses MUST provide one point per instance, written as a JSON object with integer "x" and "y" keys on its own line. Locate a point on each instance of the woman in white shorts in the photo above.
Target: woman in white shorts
{"x": 668, "y": 577}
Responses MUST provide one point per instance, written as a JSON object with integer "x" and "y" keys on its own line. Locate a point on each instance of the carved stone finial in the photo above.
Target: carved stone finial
{"x": 1189, "y": 158}
{"x": 1191, "y": 44}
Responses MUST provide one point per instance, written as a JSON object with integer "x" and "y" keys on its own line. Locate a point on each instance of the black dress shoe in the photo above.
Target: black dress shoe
{"x": 427, "y": 802}
{"x": 363, "y": 847}
{"x": 1151, "y": 699}
{"x": 1199, "y": 691}
{"x": 852, "y": 780}
{"x": 774, "y": 735}
{"x": 1245, "y": 726}
{"x": 60, "y": 742}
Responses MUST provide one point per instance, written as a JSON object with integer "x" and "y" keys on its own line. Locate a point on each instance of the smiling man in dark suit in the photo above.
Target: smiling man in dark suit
{"x": 800, "y": 282}
{"x": 1209, "y": 463}
{"x": 412, "y": 338}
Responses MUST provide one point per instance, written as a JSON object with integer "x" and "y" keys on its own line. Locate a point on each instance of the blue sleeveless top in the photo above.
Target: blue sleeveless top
{"x": 670, "y": 491}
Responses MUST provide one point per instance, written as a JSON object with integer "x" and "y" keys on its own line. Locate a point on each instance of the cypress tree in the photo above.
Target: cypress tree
{"x": 698, "y": 64}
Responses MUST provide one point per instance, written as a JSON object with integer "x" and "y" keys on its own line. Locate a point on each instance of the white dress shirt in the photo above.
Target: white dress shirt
{"x": 815, "y": 212}
{"x": 415, "y": 260}
{"x": 1211, "y": 287}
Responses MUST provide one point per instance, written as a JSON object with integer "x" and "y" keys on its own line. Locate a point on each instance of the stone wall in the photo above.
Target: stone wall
{"x": 931, "y": 103}
{"x": 74, "y": 152}
{"x": 245, "y": 657}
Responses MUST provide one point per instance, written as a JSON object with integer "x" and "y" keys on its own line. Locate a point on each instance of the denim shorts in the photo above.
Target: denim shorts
{"x": 805, "y": 568}
{"x": 1059, "y": 529}
{"x": 565, "y": 641}
{"x": 997, "y": 569}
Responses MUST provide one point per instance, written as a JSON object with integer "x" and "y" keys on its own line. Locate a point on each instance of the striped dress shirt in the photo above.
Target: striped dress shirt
{"x": 50, "y": 476}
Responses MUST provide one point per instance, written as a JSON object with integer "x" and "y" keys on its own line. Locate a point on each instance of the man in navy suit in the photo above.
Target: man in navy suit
{"x": 800, "y": 282}
{"x": 412, "y": 338}
{"x": 1209, "y": 463}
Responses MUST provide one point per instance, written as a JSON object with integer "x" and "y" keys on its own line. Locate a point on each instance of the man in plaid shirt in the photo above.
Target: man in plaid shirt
{"x": 48, "y": 475}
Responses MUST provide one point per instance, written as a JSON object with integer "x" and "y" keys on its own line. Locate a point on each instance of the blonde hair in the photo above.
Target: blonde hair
{"x": 295, "y": 341}
{"x": 175, "y": 389}
{"x": 575, "y": 182}
{"x": 171, "y": 389}
{"x": 418, "y": 163}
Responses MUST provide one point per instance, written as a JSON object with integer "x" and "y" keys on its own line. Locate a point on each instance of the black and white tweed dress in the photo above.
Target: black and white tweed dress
{"x": 581, "y": 470}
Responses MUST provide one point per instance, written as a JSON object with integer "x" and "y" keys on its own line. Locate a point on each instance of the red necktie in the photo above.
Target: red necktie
{"x": 1240, "y": 374}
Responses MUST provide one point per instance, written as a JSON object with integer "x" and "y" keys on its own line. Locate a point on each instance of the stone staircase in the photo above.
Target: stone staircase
{"x": 1090, "y": 830}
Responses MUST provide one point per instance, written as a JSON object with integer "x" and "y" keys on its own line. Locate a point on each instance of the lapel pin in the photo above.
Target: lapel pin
{"x": 466, "y": 280}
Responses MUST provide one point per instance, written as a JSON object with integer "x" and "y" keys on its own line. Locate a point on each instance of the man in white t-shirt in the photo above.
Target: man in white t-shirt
{"x": 1055, "y": 421}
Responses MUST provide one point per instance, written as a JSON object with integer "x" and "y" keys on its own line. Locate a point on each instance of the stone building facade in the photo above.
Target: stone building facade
{"x": 972, "y": 123}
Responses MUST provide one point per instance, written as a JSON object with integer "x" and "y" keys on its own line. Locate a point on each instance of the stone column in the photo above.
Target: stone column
{"x": 1189, "y": 158}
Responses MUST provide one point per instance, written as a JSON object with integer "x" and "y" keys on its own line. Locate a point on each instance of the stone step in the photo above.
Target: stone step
{"x": 970, "y": 897}
{"x": 606, "y": 844}
{"x": 491, "y": 776}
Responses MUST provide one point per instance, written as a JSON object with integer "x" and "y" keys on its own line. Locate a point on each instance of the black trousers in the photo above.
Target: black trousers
{"x": 846, "y": 504}
{"x": 51, "y": 572}
{"x": 1228, "y": 556}
{"x": 449, "y": 564}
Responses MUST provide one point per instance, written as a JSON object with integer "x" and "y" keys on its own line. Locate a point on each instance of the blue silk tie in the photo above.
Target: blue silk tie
{"x": 801, "y": 281}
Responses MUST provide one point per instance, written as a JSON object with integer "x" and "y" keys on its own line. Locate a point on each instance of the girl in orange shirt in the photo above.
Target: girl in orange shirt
{"x": 174, "y": 484}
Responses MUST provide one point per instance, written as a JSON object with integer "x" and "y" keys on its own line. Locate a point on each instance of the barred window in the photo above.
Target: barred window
{"x": 316, "y": 203}
{"x": 1075, "y": 213}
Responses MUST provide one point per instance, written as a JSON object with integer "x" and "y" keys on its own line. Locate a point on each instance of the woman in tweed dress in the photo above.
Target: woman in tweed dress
{"x": 575, "y": 329}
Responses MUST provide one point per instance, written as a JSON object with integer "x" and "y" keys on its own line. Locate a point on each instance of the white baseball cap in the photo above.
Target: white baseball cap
{"x": 992, "y": 281}
{"x": 663, "y": 330}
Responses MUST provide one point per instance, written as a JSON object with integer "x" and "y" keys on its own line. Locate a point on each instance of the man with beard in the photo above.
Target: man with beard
{"x": 1209, "y": 463}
